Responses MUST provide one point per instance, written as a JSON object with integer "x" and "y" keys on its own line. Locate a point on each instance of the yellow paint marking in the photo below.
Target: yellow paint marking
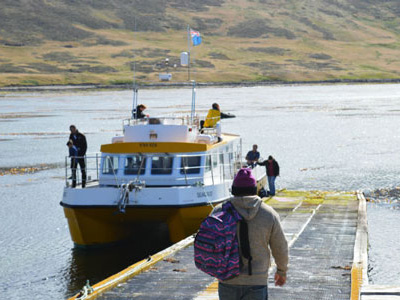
{"x": 356, "y": 282}
{"x": 210, "y": 293}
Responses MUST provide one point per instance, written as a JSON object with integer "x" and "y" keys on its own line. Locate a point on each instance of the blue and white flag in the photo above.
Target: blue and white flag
{"x": 196, "y": 38}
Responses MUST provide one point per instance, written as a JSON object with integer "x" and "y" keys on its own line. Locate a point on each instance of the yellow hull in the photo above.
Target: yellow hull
{"x": 96, "y": 226}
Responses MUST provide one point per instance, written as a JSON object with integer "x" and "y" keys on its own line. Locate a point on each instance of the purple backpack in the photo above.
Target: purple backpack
{"x": 216, "y": 246}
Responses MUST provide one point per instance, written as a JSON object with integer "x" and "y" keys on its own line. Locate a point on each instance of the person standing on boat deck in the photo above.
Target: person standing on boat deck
{"x": 266, "y": 236}
{"x": 139, "y": 112}
{"x": 214, "y": 116}
{"x": 272, "y": 167}
{"x": 79, "y": 141}
{"x": 73, "y": 153}
{"x": 253, "y": 156}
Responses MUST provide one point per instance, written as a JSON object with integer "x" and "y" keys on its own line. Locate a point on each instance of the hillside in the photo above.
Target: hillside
{"x": 96, "y": 41}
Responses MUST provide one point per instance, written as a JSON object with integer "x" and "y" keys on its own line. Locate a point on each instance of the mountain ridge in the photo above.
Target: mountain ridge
{"x": 101, "y": 42}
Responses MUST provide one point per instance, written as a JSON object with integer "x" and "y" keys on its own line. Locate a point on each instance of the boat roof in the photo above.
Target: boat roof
{"x": 165, "y": 147}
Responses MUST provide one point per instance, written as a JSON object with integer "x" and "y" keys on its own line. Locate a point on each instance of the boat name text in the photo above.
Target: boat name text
{"x": 204, "y": 194}
{"x": 148, "y": 145}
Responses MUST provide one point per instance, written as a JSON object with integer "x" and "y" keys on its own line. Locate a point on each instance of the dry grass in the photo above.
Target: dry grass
{"x": 363, "y": 47}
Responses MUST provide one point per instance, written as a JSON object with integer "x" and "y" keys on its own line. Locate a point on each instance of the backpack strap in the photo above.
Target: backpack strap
{"x": 244, "y": 243}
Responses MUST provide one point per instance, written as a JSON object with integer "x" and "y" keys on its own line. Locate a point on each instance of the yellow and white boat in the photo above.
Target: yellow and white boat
{"x": 162, "y": 170}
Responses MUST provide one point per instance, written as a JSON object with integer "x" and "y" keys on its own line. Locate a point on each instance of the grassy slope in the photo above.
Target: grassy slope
{"x": 72, "y": 42}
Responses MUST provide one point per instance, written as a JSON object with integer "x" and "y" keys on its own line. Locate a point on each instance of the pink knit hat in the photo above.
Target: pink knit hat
{"x": 244, "y": 183}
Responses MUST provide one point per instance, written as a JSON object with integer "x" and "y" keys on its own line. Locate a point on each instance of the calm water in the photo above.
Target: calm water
{"x": 342, "y": 137}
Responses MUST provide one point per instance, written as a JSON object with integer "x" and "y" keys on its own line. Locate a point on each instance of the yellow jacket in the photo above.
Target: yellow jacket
{"x": 212, "y": 118}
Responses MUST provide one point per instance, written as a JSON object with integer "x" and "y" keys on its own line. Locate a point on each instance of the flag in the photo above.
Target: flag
{"x": 196, "y": 38}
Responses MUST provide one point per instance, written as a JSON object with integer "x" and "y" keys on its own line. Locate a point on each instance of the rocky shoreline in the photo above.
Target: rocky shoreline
{"x": 186, "y": 84}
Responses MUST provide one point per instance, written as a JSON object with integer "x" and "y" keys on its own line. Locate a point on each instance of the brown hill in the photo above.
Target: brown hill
{"x": 97, "y": 41}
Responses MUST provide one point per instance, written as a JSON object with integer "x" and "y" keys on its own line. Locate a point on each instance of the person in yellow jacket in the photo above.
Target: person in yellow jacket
{"x": 214, "y": 116}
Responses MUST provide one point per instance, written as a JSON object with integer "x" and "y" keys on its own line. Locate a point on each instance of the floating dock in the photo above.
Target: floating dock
{"x": 327, "y": 235}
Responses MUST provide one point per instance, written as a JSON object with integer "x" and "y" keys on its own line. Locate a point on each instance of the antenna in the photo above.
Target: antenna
{"x": 193, "y": 110}
{"x": 135, "y": 88}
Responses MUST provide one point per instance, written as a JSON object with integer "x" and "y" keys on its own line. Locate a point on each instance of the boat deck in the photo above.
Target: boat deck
{"x": 320, "y": 227}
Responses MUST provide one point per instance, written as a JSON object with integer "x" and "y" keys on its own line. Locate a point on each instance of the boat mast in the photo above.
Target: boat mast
{"x": 193, "y": 108}
{"x": 188, "y": 36}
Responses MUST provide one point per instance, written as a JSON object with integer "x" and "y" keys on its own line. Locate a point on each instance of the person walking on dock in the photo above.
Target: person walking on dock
{"x": 272, "y": 167}
{"x": 79, "y": 141}
{"x": 265, "y": 235}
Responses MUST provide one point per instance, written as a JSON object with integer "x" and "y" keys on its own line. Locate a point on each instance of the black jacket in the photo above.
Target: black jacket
{"x": 275, "y": 165}
{"x": 138, "y": 114}
{"x": 79, "y": 141}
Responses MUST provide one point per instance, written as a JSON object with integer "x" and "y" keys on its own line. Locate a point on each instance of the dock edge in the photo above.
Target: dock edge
{"x": 131, "y": 271}
{"x": 359, "y": 270}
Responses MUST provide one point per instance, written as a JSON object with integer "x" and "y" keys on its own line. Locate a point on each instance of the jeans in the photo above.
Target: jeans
{"x": 242, "y": 292}
{"x": 74, "y": 166}
{"x": 271, "y": 184}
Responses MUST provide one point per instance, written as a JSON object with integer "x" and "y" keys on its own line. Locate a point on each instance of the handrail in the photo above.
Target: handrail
{"x": 174, "y": 120}
{"x": 208, "y": 170}
{"x": 91, "y": 167}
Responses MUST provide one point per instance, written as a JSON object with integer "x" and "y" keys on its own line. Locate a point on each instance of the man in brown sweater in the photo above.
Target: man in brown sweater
{"x": 265, "y": 232}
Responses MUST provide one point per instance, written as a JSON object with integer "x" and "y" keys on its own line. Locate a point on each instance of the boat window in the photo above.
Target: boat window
{"x": 161, "y": 165}
{"x": 133, "y": 164}
{"x": 190, "y": 165}
{"x": 110, "y": 164}
{"x": 215, "y": 160}
{"x": 208, "y": 163}
{"x": 221, "y": 158}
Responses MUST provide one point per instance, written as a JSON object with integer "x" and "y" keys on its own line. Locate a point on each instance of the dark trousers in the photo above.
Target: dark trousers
{"x": 242, "y": 292}
{"x": 74, "y": 166}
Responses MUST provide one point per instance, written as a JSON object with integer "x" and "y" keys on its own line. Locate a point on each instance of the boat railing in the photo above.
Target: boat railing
{"x": 91, "y": 168}
{"x": 183, "y": 120}
{"x": 195, "y": 123}
{"x": 213, "y": 171}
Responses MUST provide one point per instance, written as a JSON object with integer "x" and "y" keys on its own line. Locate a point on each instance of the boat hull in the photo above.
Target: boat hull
{"x": 95, "y": 216}
{"x": 90, "y": 226}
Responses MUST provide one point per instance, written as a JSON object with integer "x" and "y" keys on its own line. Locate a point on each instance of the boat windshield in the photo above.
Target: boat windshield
{"x": 190, "y": 165}
{"x": 110, "y": 165}
{"x": 161, "y": 165}
{"x": 133, "y": 164}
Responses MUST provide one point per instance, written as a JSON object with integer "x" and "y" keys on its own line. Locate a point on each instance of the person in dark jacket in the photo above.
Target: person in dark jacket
{"x": 253, "y": 156}
{"x": 139, "y": 112}
{"x": 272, "y": 167}
{"x": 79, "y": 141}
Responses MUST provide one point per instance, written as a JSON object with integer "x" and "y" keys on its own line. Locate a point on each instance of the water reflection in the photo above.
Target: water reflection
{"x": 96, "y": 264}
